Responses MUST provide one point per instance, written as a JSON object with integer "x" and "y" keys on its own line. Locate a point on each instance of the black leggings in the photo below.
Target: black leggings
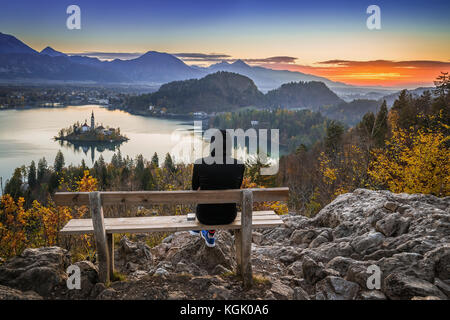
{"x": 216, "y": 214}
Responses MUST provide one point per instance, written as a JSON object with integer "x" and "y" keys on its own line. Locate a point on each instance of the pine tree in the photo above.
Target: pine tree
{"x": 168, "y": 163}
{"x": 381, "y": 126}
{"x": 119, "y": 158}
{"x": 333, "y": 138}
{"x": 83, "y": 165}
{"x": 155, "y": 160}
{"x": 32, "y": 175}
{"x": 115, "y": 161}
{"x": 59, "y": 162}
{"x": 42, "y": 170}
{"x": 442, "y": 84}
{"x": 14, "y": 185}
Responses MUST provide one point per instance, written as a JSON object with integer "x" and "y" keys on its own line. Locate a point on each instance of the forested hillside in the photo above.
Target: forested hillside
{"x": 216, "y": 92}
{"x": 302, "y": 95}
{"x": 352, "y": 112}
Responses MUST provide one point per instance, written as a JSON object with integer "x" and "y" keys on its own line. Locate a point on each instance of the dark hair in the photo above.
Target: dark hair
{"x": 225, "y": 137}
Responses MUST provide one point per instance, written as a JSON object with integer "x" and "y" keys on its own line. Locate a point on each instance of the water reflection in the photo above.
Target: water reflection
{"x": 91, "y": 147}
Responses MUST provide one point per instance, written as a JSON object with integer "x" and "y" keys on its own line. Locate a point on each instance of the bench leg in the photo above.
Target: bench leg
{"x": 100, "y": 236}
{"x": 246, "y": 238}
{"x": 238, "y": 246}
{"x": 110, "y": 237}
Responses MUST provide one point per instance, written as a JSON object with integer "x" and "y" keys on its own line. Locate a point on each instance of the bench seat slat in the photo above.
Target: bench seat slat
{"x": 156, "y": 219}
{"x": 261, "y": 219}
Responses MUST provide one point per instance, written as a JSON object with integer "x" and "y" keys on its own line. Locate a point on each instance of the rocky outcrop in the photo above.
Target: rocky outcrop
{"x": 41, "y": 272}
{"x": 7, "y": 293}
{"x": 334, "y": 256}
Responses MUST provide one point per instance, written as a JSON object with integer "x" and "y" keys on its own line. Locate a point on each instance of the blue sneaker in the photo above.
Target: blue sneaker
{"x": 210, "y": 240}
{"x": 194, "y": 232}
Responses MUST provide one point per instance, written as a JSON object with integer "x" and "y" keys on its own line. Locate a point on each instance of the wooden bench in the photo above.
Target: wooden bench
{"x": 104, "y": 228}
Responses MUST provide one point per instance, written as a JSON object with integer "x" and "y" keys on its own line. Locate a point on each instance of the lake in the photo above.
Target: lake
{"x": 27, "y": 135}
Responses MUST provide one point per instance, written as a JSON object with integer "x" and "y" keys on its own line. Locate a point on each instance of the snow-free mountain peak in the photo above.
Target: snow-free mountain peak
{"x": 52, "y": 52}
{"x": 10, "y": 44}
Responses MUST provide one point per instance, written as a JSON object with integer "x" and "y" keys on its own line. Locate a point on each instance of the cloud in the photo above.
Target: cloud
{"x": 109, "y": 55}
{"x": 216, "y": 57}
{"x": 202, "y": 57}
{"x": 277, "y": 59}
{"x": 387, "y": 63}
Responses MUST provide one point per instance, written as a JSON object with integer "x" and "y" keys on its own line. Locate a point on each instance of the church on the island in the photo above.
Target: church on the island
{"x": 100, "y": 129}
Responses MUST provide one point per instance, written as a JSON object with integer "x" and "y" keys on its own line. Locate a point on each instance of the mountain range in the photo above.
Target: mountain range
{"x": 20, "y": 62}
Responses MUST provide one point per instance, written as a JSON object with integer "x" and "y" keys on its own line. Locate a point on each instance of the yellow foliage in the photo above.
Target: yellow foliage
{"x": 413, "y": 162}
{"x": 87, "y": 183}
{"x": 12, "y": 232}
{"x": 39, "y": 225}
{"x": 277, "y": 206}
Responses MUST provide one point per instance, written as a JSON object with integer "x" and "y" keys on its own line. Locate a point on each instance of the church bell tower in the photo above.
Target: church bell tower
{"x": 92, "y": 120}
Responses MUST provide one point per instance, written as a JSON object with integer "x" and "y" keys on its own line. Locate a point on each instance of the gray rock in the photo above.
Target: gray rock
{"x": 133, "y": 256}
{"x": 303, "y": 236}
{"x": 372, "y": 295}
{"x": 194, "y": 251}
{"x": 340, "y": 264}
{"x": 336, "y": 288}
{"x": 219, "y": 292}
{"x": 443, "y": 286}
{"x": 399, "y": 286}
{"x": 7, "y": 293}
{"x": 393, "y": 225}
{"x": 295, "y": 269}
{"x": 440, "y": 259}
{"x": 367, "y": 243}
{"x": 108, "y": 294}
{"x": 220, "y": 269}
{"x": 257, "y": 237}
{"x": 176, "y": 295}
{"x": 312, "y": 271}
{"x": 391, "y": 206}
{"x": 98, "y": 288}
{"x": 321, "y": 238}
{"x": 281, "y": 291}
{"x": 161, "y": 272}
{"x": 42, "y": 270}
{"x": 300, "y": 294}
{"x": 426, "y": 298}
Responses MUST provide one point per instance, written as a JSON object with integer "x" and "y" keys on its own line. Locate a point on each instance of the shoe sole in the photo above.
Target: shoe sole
{"x": 196, "y": 234}
{"x": 206, "y": 241}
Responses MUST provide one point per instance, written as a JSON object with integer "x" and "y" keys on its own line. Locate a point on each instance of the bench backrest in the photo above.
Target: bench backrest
{"x": 172, "y": 197}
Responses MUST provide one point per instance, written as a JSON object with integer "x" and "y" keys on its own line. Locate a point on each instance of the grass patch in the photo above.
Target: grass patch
{"x": 117, "y": 276}
{"x": 228, "y": 274}
{"x": 156, "y": 238}
{"x": 259, "y": 279}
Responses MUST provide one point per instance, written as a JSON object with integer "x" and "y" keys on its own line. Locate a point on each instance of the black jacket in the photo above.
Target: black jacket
{"x": 217, "y": 177}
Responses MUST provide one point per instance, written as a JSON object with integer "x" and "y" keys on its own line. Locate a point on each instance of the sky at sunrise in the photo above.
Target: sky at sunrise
{"x": 325, "y": 38}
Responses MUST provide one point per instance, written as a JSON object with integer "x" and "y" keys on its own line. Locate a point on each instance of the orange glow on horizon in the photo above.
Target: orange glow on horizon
{"x": 373, "y": 73}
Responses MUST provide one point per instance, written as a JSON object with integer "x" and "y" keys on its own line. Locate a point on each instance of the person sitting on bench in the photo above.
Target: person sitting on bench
{"x": 219, "y": 171}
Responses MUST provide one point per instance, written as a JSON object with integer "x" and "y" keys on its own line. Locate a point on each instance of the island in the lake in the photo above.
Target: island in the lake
{"x": 90, "y": 133}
